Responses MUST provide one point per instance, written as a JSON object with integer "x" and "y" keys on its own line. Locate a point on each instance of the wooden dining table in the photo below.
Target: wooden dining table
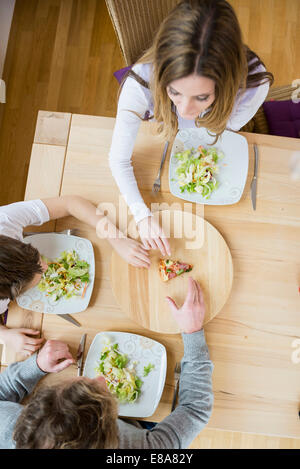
{"x": 254, "y": 341}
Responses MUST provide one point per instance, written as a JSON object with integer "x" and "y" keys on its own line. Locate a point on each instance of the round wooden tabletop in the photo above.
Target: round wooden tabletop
{"x": 141, "y": 293}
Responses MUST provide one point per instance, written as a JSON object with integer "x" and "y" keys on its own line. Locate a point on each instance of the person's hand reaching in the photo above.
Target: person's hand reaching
{"x": 153, "y": 236}
{"x": 190, "y": 316}
{"x": 22, "y": 340}
{"x": 132, "y": 251}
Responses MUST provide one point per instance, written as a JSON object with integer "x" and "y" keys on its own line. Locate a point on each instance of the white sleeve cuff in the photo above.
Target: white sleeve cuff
{"x": 140, "y": 211}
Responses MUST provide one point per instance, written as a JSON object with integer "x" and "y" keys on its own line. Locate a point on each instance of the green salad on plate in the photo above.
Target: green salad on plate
{"x": 120, "y": 378}
{"x": 67, "y": 276}
{"x": 196, "y": 170}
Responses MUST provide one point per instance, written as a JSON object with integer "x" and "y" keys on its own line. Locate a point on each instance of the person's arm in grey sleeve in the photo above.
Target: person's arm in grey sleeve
{"x": 179, "y": 429}
{"x": 19, "y": 379}
{"x": 195, "y": 387}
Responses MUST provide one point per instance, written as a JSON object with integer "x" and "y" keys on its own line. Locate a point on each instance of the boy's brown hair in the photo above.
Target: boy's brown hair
{"x": 19, "y": 262}
{"x": 77, "y": 414}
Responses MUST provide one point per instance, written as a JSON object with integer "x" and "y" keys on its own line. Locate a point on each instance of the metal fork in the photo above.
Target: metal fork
{"x": 156, "y": 185}
{"x": 67, "y": 232}
{"x": 177, "y": 372}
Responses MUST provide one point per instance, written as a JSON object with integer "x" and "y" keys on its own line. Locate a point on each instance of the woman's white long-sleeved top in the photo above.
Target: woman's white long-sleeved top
{"x": 137, "y": 98}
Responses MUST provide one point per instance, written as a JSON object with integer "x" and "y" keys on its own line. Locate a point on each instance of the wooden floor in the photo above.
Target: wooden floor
{"x": 61, "y": 56}
{"x": 62, "y": 53}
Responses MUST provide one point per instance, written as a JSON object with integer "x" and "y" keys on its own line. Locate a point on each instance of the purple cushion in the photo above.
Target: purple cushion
{"x": 283, "y": 118}
{"x": 119, "y": 74}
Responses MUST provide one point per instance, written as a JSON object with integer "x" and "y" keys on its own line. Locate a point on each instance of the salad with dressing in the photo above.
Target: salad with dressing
{"x": 121, "y": 379}
{"x": 67, "y": 276}
{"x": 196, "y": 170}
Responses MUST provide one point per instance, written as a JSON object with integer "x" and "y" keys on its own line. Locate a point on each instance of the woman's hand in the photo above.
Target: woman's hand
{"x": 21, "y": 341}
{"x": 152, "y": 236}
{"x": 190, "y": 316}
{"x": 132, "y": 251}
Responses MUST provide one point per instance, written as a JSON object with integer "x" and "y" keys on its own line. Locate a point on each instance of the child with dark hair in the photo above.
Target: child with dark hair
{"x": 21, "y": 265}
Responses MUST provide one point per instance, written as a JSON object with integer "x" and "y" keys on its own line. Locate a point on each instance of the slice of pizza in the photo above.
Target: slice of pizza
{"x": 170, "y": 269}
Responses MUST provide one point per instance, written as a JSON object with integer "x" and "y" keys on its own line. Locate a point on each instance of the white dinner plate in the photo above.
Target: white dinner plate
{"x": 52, "y": 245}
{"x": 233, "y": 168}
{"x": 144, "y": 351}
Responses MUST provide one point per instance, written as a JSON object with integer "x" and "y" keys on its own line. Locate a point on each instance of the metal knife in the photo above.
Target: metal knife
{"x": 69, "y": 318}
{"x": 79, "y": 355}
{"x": 254, "y": 180}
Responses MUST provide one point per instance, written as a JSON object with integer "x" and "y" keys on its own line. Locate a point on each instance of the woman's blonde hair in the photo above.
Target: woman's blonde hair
{"x": 78, "y": 414}
{"x": 201, "y": 37}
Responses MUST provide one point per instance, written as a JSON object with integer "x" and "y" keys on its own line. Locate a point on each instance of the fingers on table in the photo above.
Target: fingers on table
{"x": 172, "y": 304}
{"x": 144, "y": 256}
{"x": 27, "y": 331}
{"x": 166, "y": 244}
{"x": 29, "y": 347}
{"x": 159, "y": 245}
{"x": 63, "y": 364}
{"x": 60, "y": 354}
{"x": 162, "y": 244}
{"x": 194, "y": 294}
{"x": 200, "y": 293}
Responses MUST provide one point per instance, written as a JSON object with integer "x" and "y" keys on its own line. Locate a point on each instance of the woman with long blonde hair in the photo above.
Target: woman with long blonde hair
{"x": 197, "y": 73}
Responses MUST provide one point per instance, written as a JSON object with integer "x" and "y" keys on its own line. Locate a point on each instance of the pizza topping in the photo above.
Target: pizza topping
{"x": 170, "y": 269}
